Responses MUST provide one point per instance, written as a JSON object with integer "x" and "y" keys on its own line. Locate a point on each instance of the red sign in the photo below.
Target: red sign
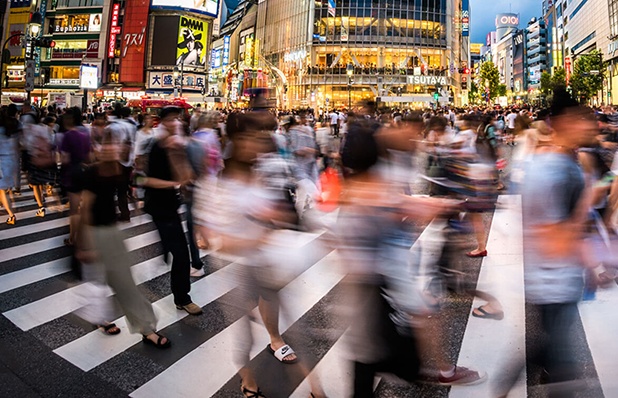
{"x": 114, "y": 30}
{"x": 132, "y": 52}
{"x": 567, "y": 69}
{"x": 92, "y": 49}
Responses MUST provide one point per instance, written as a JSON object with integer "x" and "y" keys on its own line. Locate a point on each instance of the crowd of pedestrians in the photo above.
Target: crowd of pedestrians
{"x": 243, "y": 176}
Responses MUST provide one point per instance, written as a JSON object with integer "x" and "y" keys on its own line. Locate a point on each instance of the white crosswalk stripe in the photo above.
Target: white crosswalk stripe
{"x": 315, "y": 273}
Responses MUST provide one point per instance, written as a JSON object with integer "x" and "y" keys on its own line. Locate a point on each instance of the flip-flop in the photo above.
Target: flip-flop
{"x": 282, "y": 352}
{"x": 107, "y": 329}
{"x": 158, "y": 344}
{"x": 488, "y": 315}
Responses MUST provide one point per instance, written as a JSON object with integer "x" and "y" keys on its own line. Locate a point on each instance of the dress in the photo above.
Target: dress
{"x": 8, "y": 160}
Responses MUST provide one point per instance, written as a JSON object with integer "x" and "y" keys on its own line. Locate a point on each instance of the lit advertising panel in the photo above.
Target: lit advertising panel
{"x": 207, "y": 7}
{"x": 192, "y": 42}
{"x": 132, "y": 51}
{"x": 89, "y": 77}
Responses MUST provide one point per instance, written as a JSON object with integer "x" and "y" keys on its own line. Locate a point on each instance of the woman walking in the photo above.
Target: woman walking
{"x": 9, "y": 163}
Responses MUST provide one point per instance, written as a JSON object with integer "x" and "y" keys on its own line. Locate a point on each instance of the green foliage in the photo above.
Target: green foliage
{"x": 501, "y": 90}
{"x": 558, "y": 79}
{"x": 490, "y": 77}
{"x": 546, "y": 83}
{"x": 588, "y": 74}
{"x": 473, "y": 94}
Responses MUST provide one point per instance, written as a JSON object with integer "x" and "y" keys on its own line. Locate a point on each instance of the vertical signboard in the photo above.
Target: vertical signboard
{"x": 37, "y": 54}
{"x": 192, "y": 41}
{"x": 132, "y": 52}
{"x": 164, "y": 41}
{"x": 465, "y": 18}
{"x": 114, "y": 30}
{"x": 29, "y": 75}
{"x": 226, "y": 50}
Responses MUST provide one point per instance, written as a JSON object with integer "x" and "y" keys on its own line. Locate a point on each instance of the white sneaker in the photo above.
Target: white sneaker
{"x": 197, "y": 273}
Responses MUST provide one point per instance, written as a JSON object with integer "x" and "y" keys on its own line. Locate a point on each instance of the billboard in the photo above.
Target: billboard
{"x": 132, "y": 51}
{"x": 207, "y": 7}
{"x": 192, "y": 41}
{"x": 89, "y": 77}
{"x": 162, "y": 39}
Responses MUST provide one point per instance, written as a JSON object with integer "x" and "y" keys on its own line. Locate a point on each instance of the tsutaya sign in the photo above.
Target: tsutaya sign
{"x": 427, "y": 80}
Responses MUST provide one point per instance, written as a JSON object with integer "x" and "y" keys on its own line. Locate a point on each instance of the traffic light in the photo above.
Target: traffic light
{"x": 203, "y": 91}
{"x": 464, "y": 82}
{"x": 436, "y": 95}
{"x": 466, "y": 71}
{"x": 45, "y": 42}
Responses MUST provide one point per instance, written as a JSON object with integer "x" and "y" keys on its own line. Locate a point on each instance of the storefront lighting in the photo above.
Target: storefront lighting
{"x": 176, "y": 72}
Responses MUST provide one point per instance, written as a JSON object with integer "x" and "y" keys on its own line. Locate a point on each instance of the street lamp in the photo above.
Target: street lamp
{"x": 36, "y": 20}
{"x": 349, "y": 70}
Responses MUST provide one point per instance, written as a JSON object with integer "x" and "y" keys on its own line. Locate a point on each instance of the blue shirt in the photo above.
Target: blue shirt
{"x": 553, "y": 186}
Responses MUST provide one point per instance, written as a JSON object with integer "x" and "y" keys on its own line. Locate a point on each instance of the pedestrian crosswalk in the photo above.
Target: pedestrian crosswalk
{"x": 39, "y": 297}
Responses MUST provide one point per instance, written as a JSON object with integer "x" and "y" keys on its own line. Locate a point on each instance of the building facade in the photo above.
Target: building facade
{"x": 536, "y": 53}
{"x": 400, "y": 51}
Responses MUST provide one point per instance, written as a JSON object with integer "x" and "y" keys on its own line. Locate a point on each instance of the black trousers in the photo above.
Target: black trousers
{"x": 170, "y": 230}
{"x": 123, "y": 192}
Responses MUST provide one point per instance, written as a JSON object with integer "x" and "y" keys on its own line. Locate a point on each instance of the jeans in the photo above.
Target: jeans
{"x": 170, "y": 230}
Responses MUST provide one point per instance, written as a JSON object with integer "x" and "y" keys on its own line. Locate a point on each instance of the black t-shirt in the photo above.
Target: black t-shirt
{"x": 161, "y": 203}
{"x": 104, "y": 188}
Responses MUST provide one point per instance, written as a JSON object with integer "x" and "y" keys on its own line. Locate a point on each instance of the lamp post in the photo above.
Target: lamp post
{"x": 349, "y": 70}
{"x": 179, "y": 73}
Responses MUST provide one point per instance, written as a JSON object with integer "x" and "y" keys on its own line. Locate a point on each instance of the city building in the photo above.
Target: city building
{"x": 177, "y": 49}
{"x": 508, "y": 53}
{"x": 536, "y": 53}
{"x": 587, "y": 28}
{"x": 77, "y": 28}
{"x": 612, "y": 52}
{"x": 333, "y": 55}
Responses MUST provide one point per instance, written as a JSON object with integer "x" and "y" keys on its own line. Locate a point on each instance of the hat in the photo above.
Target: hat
{"x": 189, "y": 37}
{"x": 169, "y": 110}
{"x": 287, "y": 120}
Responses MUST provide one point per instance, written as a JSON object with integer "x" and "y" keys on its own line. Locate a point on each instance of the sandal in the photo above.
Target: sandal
{"x": 252, "y": 394}
{"x": 11, "y": 220}
{"x": 282, "y": 353}
{"x": 158, "y": 344}
{"x": 488, "y": 315}
{"x": 110, "y": 329}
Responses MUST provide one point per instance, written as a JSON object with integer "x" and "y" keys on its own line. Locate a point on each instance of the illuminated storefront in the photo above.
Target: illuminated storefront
{"x": 363, "y": 50}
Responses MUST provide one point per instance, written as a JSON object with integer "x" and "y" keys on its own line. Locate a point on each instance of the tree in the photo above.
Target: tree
{"x": 473, "y": 93}
{"x": 588, "y": 74}
{"x": 558, "y": 79}
{"x": 501, "y": 90}
{"x": 546, "y": 83}
{"x": 490, "y": 77}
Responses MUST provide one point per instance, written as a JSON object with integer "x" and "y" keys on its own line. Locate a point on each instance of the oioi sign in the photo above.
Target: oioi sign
{"x": 507, "y": 20}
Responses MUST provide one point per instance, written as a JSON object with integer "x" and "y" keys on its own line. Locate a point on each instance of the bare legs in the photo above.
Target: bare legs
{"x": 479, "y": 231}
{"x": 5, "y": 203}
{"x": 74, "y": 199}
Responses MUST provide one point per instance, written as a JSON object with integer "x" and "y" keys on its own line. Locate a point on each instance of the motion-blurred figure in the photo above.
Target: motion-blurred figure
{"x": 554, "y": 205}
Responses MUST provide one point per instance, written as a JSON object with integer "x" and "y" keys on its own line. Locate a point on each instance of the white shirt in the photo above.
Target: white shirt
{"x": 333, "y": 118}
{"x": 510, "y": 120}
